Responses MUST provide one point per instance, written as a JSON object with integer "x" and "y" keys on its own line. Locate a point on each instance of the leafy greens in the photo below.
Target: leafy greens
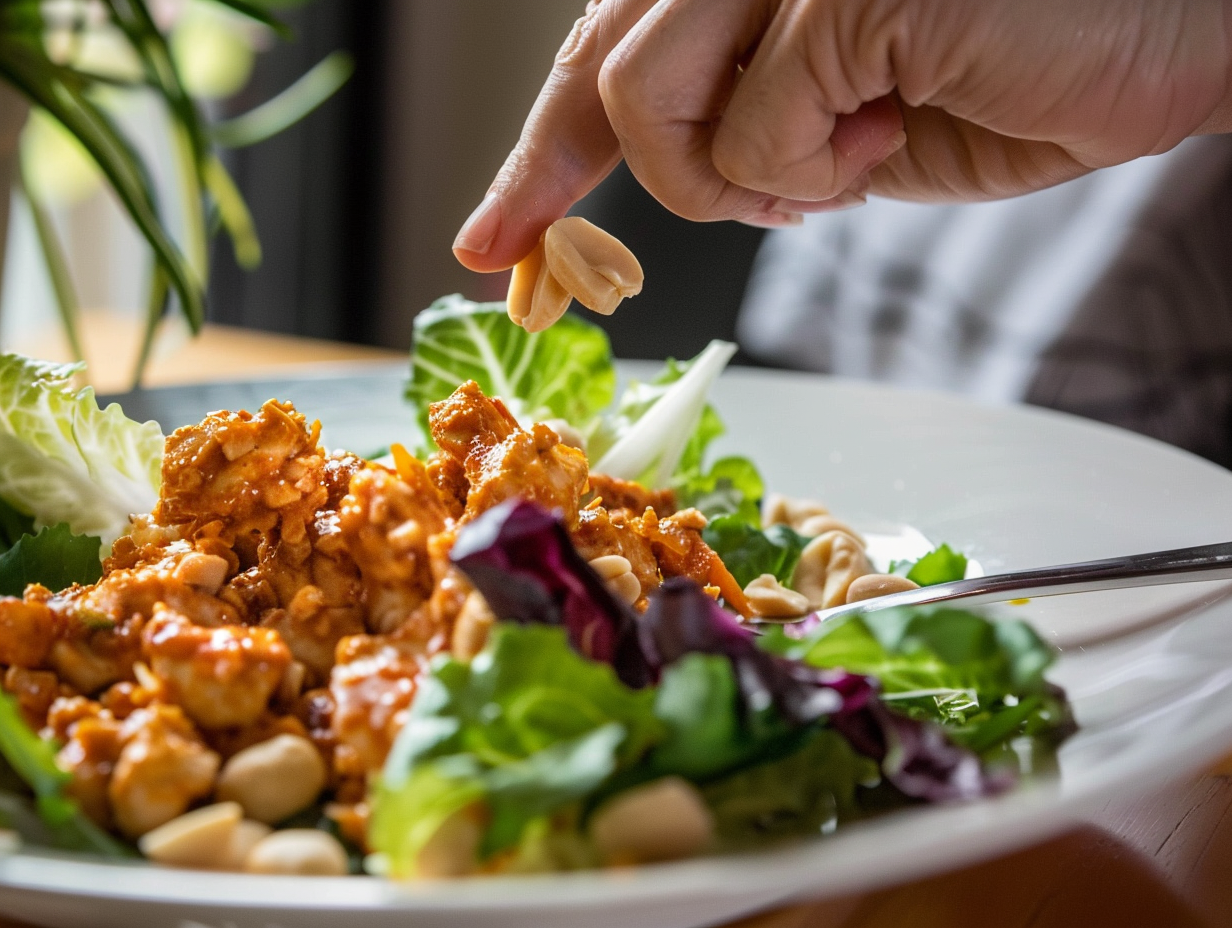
{"x": 64, "y": 460}
{"x": 658, "y": 432}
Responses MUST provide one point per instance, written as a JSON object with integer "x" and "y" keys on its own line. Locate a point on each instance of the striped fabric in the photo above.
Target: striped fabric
{"x": 1110, "y": 297}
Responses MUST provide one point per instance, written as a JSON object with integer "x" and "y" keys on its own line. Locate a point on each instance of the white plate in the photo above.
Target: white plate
{"x": 1012, "y": 487}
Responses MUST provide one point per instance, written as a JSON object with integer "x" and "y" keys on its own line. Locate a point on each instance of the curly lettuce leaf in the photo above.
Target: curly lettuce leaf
{"x": 563, "y": 372}
{"x": 527, "y": 728}
{"x": 809, "y": 791}
{"x": 982, "y": 680}
{"x": 748, "y": 551}
{"x": 55, "y": 557}
{"x": 62, "y": 459}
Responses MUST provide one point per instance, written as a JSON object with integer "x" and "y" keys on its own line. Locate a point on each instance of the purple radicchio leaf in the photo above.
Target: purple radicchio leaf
{"x": 918, "y": 758}
{"x": 519, "y": 556}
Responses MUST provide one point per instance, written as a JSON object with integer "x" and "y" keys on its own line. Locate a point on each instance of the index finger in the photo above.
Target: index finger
{"x": 566, "y": 148}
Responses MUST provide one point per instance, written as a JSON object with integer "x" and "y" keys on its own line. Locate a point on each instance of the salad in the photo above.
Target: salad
{"x": 526, "y": 642}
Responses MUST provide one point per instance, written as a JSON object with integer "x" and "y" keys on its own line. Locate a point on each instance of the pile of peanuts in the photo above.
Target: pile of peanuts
{"x": 833, "y": 568}
{"x": 258, "y": 786}
{"x": 574, "y": 260}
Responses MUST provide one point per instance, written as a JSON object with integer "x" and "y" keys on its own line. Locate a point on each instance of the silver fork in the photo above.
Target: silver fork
{"x": 1182, "y": 565}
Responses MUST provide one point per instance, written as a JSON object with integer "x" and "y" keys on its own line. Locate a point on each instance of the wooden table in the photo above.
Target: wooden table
{"x": 1160, "y": 861}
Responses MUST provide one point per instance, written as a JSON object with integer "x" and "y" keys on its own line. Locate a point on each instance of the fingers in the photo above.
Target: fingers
{"x": 566, "y": 146}
{"x": 760, "y": 146}
{"x": 813, "y": 111}
{"x": 665, "y": 87}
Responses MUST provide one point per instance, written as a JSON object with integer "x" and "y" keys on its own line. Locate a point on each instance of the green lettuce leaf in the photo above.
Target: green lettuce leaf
{"x": 62, "y": 459}
{"x": 564, "y": 372}
{"x": 750, "y": 552}
{"x": 983, "y": 680}
{"x": 55, "y": 557}
{"x": 709, "y": 730}
{"x": 941, "y": 565}
{"x": 809, "y": 791}
{"x": 526, "y": 728}
{"x": 50, "y": 818}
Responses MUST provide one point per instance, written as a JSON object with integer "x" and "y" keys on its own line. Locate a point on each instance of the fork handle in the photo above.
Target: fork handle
{"x": 1182, "y": 565}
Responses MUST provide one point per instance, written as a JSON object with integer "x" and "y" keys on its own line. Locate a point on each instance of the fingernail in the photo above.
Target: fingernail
{"x": 479, "y": 230}
{"x": 893, "y": 144}
{"x": 846, "y": 200}
{"x": 774, "y": 220}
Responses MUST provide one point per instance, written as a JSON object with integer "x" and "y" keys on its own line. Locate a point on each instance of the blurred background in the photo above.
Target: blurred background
{"x": 357, "y": 204}
{"x": 1109, "y": 296}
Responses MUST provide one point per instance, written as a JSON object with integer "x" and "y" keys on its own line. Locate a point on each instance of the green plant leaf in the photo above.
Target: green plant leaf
{"x": 281, "y": 112}
{"x": 57, "y": 267}
{"x": 62, "y": 94}
{"x": 258, "y": 10}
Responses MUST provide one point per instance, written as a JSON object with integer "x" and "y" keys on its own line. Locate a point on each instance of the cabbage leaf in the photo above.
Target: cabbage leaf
{"x": 62, "y": 459}
{"x": 564, "y": 372}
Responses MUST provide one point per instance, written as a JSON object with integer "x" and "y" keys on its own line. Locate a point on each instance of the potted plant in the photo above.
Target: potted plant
{"x": 45, "y": 63}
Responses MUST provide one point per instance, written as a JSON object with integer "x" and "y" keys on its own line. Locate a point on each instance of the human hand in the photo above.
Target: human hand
{"x": 761, "y": 110}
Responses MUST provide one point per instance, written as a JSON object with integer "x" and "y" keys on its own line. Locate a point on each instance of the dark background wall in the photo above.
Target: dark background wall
{"x": 357, "y": 205}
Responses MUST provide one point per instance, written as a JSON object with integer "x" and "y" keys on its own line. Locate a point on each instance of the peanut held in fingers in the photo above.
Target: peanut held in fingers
{"x": 591, "y": 264}
{"x": 573, "y": 259}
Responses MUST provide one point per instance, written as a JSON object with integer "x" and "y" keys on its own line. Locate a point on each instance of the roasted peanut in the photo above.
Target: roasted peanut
{"x": 661, "y": 820}
{"x": 470, "y": 629}
{"x": 195, "y": 839}
{"x": 828, "y": 565}
{"x": 819, "y": 525}
{"x": 777, "y": 509}
{"x": 273, "y": 779}
{"x": 591, "y": 264}
{"x": 770, "y": 599}
{"x": 206, "y": 572}
{"x": 298, "y": 851}
{"x": 453, "y": 848}
{"x": 610, "y": 566}
{"x": 872, "y": 585}
{"x": 536, "y": 298}
{"x": 627, "y": 588}
{"x": 244, "y": 838}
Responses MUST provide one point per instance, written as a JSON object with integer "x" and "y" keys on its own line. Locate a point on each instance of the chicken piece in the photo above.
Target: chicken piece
{"x": 448, "y": 475}
{"x": 371, "y": 686}
{"x": 501, "y": 461}
{"x": 92, "y": 745}
{"x": 600, "y": 532}
{"x": 263, "y": 476}
{"x": 28, "y": 628}
{"x": 95, "y": 654}
{"x": 162, "y": 769}
{"x": 677, "y": 543}
{"x": 222, "y": 677}
{"x": 614, "y": 493}
{"x": 184, "y": 579}
{"x": 386, "y": 521}
{"x": 35, "y": 691}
